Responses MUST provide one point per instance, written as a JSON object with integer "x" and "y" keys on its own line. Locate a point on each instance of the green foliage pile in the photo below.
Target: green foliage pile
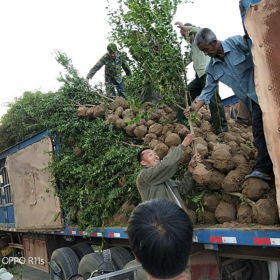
{"x": 105, "y": 161}
{"x": 91, "y": 186}
{"x": 144, "y": 28}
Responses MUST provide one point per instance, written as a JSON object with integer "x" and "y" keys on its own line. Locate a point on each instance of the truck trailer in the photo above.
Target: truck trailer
{"x": 34, "y": 228}
{"x": 38, "y": 232}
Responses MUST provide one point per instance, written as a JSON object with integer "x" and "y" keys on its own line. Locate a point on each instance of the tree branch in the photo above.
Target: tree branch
{"x": 132, "y": 145}
{"x": 249, "y": 201}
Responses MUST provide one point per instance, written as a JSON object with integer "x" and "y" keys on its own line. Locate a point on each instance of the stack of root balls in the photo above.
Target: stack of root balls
{"x": 223, "y": 196}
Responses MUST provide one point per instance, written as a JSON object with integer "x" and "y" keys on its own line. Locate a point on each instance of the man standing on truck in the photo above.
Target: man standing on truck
{"x": 195, "y": 87}
{"x": 154, "y": 180}
{"x": 114, "y": 61}
{"x": 231, "y": 63}
{"x": 160, "y": 235}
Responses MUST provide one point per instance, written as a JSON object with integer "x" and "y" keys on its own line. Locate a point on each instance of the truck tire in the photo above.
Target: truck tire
{"x": 121, "y": 256}
{"x": 141, "y": 273}
{"x": 273, "y": 270}
{"x": 260, "y": 270}
{"x": 92, "y": 262}
{"x": 82, "y": 249}
{"x": 4, "y": 241}
{"x": 68, "y": 262}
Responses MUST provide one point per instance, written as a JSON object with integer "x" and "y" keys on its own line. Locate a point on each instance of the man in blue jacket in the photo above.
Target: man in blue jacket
{"x": 232, "y": 64}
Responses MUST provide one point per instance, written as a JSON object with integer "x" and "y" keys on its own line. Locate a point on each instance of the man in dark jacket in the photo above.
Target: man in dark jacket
{"x": 114, "y": 62}
{"x": 154, "y": 180}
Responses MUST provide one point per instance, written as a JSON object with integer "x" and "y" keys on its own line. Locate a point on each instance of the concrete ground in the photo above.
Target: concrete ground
{"x": 30, "y": 273}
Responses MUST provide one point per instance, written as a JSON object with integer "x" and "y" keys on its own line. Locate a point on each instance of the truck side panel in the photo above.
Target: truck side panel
{"x": 31, "y": 188}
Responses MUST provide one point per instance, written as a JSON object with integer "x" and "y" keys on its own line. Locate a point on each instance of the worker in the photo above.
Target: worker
{"x": 195, "y": 87}
{"x": 231, "y": 63}
{"x": 160, "y": 235}
{"x": 154, "y": 180}
{"x": 114, "y": 62}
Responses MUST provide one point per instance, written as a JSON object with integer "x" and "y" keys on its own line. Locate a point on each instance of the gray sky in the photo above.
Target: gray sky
{"x": 32, "y": 29}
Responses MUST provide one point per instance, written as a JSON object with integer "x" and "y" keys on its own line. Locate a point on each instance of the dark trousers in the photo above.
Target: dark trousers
{"x": 217, "y": 109}
{"x": 264, "y": 163}
{"x": 112, "y": 86}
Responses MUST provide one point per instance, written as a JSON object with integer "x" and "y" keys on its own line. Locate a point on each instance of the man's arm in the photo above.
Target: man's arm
{"x": 188, "y": 59}
{"x": 96, "y": 67}
{"x": 207, "y": 92}
{"x": 125, "y": 65}
{"x": 241, "y": 43}
{"x": 188, "y": 183}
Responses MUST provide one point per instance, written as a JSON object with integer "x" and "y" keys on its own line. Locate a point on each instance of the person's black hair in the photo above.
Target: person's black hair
{"x": 188, "y": 24}
{"x": 112, "y": 48}
{"x": 140, "y": 156}
{"x": 160, "y": 235}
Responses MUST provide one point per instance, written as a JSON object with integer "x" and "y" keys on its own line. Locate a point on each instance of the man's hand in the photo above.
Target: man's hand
{"x": 179, "y": 24}
{"x": 188, "y": 139}
{"x": 192, "y": 108}
{"x": 188, "y": 112}
{"x": 193, "y": 162}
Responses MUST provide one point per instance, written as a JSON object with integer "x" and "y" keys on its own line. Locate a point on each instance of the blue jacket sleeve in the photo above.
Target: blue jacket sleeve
{"x": 209, "y": 89}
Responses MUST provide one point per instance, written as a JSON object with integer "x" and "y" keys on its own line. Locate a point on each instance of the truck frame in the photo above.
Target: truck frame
{"x": 218, "y": 252}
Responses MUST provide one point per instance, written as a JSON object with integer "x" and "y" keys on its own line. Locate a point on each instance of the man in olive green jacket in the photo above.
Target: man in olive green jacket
{"x": 154, "y": 180}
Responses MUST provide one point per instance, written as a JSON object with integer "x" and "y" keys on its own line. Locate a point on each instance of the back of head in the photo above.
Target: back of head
{"x": 205, "y": 36}
{"x": 160, "y": 235}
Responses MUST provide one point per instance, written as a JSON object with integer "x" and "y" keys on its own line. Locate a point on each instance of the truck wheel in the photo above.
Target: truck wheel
{"x": 82, "y": 249}
{"x": 273, "y": 270}
{"x": 4, "y": 241}
{"x": 92, "y": 262}
{"x": 141, "y": 273}
{"x": 120, "y": 256}
{"x": 244, "y": 269}
{"x": 68, "y": 262}
{"x": 260, "y": 270}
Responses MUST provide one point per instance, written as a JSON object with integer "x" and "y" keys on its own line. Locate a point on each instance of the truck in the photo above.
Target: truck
{"x": 38, "y": 231}
{"x": 34, "y": 228}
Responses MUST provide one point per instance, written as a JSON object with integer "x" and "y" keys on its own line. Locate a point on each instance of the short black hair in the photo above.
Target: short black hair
{"x": 140, "y": 156}
{"x": 160, "y": 235}
{"x": 188, "y": 24}
{"x": 112, "y": 48}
